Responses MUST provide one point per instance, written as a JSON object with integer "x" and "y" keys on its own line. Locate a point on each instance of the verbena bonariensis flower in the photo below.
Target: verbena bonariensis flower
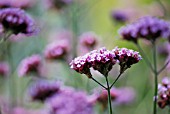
{"x": 126, "y": 57}
{"x": 4, "y": 69}
{"x": 148, "y": 27}
{"x": 58, "y": 4}
{"x": 101, "y": 60}
{"x": 164, "y": 93}
{"x": 164, "y": 48}
{"x": 16, "y": 3}
{"x": 119, "y": 96}
{"x": 43, "y": 89}
{"x": 56, "y": 50}
{"x": 16, "y": 21}
{"x": 69, "y": 101}
{"x": 119, "y": 16}
{"x": 30, "y": 65}
{"x": 88, "y": 39}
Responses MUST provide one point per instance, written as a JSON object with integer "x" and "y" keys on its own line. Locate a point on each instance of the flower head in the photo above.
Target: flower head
{"x": 16, "y": 21}
{"x": 126, "y": 57}
{"x": 69, "y": 101}
{"x": 56, "y": 50}
{"x": 119, "y": 96}
{"x": 42, "y": 90}
{"x": 4, "y": 69}
{"x": 101, "y": 60}
{"x": 59, "y": 4}
{"x": 88, "y": 39}
{"x": 119, "y": 16}
{"x": 30, "y": 65}
{"x": 149, "y": 28}
{"x": 164, "y": 93}
{"x": 16, "y": 3}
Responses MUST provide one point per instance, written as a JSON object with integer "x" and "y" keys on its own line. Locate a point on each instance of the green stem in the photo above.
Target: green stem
{"x": 109, "y": 96}
{"x": 75, "y": 29}
{"x": 145, "y": 57}
{"x": 164, "y": 67}
{"x": 98, "y": 83}
{"x": 163, "y": 7}
{"x": 156, "y": 78}
{"x": 115, "y": 80}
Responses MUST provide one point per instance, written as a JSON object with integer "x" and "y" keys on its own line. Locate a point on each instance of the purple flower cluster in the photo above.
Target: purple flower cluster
{"x": 119, "y": 16}
{"x": 30, "y": 65}
{"x": 56, "y": 50}
{"x": 148, "y": 27}
{"x": 16, "y": 3}
{"x": 4, "y": 69}
{"x": 119, "y": 96}
{"x": 126, "y": 57}
{"x": 69, "y": 101}
{"x": 58, "y": 4}
{"x": 101, "y": 60}
{"x": 43, "y": 89}
{"x": 164, "y": 93}
{"x": 16, "y": 21}
{"x": 88, "y": 39}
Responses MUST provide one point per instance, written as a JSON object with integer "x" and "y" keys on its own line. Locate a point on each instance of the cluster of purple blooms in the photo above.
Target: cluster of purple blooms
{"x": 148, "y": 27}
{"x": 103, "y": 60}
{"x": 4, "y": 69}
{"x": 69, "y": 101}
{"x": 56, "y": 50}
{"x": 164, "y": 93}
{"x": 43, "y": 89}
{"x": 88, "y": 39}
{"x": 117, "y": 96}
{"x": 119, "y": 16}
{"x": 16, "y": 21}
{"x": 126, "y": 57}
{"x": 30, "y": 65}
{"x": 58, "y": 4}
{"x": 16, "y": 3}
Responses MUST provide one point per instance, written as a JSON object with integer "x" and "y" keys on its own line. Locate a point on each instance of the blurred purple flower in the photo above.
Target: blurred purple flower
{"x": 126, "y": 57}
{"x": 101, "y": 60}
{"x": 119, "y": 16}
{"x": 58, "y": 4}
{"x": 29, "y": 65}
{"x": 43, "y": 89}
{"x": 164, "y": 49}
{"x": 56, "y": 50}
{"x": 88, "y": 39}
{"x": 164, "y": 93}
{"x": 16, "y": 3}
{"x": 148, "y": 27}
{"x": 69, "y": 101}
{"x": 119, "y": 96}
{"x": 4, "y": 69}
{"x": 16, "y": 21}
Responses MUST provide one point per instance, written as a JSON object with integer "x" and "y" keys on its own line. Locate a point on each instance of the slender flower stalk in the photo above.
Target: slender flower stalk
{"x": 109, "y": 96}
{"x": 166, "y": 64}
{"x": 156, "y": 78}
{"x": 98, "y": 83}
{"x": 145, "y": 57}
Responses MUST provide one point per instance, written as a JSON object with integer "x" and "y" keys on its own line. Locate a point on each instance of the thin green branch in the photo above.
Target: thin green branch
{"x": 115, "y": 80}
{"x": 163, "y": 67}
{"x": 145, "y": 57}
{"x": 163, "y": 7}
{"x": 109, "y": 96}
{"x": 156, "y": 78}
{"x": 98, "y": 83}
